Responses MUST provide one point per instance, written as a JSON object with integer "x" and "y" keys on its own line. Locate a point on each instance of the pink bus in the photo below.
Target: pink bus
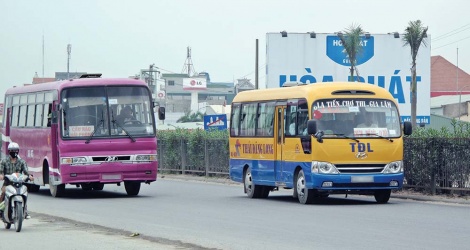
{"x": 71, "y": 132}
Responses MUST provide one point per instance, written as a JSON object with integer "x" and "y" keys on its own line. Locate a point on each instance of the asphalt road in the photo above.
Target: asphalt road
{"x": 182, "y": 214}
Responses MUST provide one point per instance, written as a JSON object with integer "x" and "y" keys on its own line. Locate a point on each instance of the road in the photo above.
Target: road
{"x": 197, "y": 215}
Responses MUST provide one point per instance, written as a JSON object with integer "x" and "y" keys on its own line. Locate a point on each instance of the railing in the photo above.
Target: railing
{"x": 207, "y": 157}
{"x": 433, "y": 165}
{"x": 437, "y": 165}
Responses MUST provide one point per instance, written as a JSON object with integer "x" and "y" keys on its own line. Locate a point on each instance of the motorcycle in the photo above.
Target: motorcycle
{"x": 14, "y": 204}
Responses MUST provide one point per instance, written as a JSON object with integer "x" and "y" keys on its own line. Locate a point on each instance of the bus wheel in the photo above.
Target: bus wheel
{"x": 304, "y": 194}
{"x": 382, "y": 196}
{"x": 253, "y": 190}
{"x": 57, "y": 190}
{"x": 132, "y": 187}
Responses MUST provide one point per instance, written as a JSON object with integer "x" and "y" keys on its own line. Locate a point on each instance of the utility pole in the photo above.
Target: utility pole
{"x": 69, "y": 51}
{"x": 256, "y": 66}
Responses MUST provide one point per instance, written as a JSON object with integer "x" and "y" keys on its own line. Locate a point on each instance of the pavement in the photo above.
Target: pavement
{"x": 54, "y": 233}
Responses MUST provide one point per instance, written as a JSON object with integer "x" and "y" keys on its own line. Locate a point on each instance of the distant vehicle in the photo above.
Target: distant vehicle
{"x": 318, "y": 139}
{"x": 70, "y": 133}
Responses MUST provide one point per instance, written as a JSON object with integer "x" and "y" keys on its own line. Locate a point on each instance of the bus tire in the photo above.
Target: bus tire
{"x": 57, "y": 190}
{"x": 382, "y": 196}
{"x": 132, "y": 187}
{"x": 251, "y": 189}
{"x": 305, "y": 195}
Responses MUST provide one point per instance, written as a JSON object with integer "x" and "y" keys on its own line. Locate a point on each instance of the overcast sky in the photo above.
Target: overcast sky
{"x": 118, "y": 38}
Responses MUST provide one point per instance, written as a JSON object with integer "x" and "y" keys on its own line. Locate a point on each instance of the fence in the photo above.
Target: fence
{"x": 205, "y": 157}
{"x": 437, "y": 164}
{"x": 434, "y": 165}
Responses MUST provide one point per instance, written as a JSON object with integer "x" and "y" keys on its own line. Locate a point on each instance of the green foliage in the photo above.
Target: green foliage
{"x": 459, "y": 130}
{"x": 352, "y": 45}
{"x": 191, "y": 117}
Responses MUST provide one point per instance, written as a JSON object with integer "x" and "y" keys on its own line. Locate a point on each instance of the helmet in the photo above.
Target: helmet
{"x": 13, "y": 146}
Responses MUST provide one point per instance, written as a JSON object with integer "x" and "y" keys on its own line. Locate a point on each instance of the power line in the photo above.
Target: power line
{"x": 451, "y": 33}
{"x": 452, "y": 43}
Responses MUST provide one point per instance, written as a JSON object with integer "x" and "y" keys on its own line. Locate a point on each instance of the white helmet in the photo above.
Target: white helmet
{"x": 13, "y": 146}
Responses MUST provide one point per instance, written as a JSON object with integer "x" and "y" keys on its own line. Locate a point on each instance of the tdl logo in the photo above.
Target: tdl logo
{"x": 336, "y": 52}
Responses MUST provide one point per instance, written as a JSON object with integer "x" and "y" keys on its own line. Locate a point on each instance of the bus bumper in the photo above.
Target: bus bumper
{"x": 354, "y": 183}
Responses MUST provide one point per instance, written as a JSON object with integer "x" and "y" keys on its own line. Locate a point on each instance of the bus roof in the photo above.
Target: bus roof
{"x": 316, "y": 91}
{"x": 83, "y": 82}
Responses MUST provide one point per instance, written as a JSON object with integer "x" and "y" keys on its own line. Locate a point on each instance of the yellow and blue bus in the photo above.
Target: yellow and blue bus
{"x": 317, "y": 139}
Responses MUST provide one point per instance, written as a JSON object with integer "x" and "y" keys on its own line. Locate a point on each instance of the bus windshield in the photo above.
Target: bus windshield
{"x": 357, "y": 117}
{"x": 106, "y": 111}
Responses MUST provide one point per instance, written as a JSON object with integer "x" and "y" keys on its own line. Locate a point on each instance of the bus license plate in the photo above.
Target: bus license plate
{"x": 356, "y": 179}
{"x": 111, "y": 176}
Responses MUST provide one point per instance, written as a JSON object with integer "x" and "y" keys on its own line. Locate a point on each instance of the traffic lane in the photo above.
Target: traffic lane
{"x": 221, "y": 216}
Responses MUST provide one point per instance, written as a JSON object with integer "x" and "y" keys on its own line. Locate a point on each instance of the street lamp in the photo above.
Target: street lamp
{"x": 460, "y": 99}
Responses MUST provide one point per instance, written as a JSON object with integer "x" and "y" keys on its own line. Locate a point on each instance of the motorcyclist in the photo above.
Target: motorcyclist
{"x": 10, "y": 165}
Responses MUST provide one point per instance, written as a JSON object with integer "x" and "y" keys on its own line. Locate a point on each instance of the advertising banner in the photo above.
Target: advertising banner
{"x": 384, "y": 61}
{"x": 194, "y": 83}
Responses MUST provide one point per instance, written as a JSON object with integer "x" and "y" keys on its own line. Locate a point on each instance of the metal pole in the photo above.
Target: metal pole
{"x": 256, "y": 66}
{"x": 460, "y": 91}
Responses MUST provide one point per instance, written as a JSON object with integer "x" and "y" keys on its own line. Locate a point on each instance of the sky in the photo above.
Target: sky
{"x": 119, "y": 38}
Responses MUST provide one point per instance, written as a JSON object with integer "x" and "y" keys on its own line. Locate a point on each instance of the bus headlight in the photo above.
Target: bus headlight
{"x": 321, "y": 167}
{"x": 73, "y": 160}
{"x": 146, "y": 158}
{"x": 393, "y": 167}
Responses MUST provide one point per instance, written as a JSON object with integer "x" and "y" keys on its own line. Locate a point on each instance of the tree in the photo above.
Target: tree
{"x": 351, "y": 41}
{"x": 414, "y": 37}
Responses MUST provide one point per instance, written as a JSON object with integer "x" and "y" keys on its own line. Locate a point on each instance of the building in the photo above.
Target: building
{"x": 216, "y": 93}
{"x": 450, "y": 90}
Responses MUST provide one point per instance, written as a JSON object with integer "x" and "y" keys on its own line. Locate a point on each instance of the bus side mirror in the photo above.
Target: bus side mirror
{"x": 407, "y": 128}
{"x": 161, "y": 113}
{"x": 311, "y": 127}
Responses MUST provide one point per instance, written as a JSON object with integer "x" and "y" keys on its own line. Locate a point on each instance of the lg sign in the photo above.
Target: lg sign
{"x": 194, "y": 83}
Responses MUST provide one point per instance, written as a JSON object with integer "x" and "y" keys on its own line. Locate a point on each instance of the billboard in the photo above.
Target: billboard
{"x": 195, "y": 83}
{"x": 384, "y": 62}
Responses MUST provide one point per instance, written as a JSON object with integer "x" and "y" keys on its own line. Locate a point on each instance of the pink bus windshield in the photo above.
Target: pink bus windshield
{"x": 106, "y": 111}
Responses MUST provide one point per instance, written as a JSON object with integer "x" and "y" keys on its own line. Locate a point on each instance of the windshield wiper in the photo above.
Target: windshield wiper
{"x": 94, "y": 130}
{"x": 319, "y": 135}
{"x": 369, "y": 134}
{"x": 345, "y": 136}
{"x": 119, "y": 126}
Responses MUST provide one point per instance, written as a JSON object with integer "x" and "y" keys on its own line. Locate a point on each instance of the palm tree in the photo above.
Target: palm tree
{"x": 351, "y": 41}
{"x": 414, "y": 37}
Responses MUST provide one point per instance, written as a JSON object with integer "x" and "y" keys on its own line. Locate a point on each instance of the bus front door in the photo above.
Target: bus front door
{"x": 278, "y": 146}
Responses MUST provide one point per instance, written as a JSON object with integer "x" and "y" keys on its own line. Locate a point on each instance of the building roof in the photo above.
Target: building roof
{"x": 178, "y": 75}
{"x": 439, "y": 101}
{"x": 444, "y": 78}
{"x": 43, "y": 79}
